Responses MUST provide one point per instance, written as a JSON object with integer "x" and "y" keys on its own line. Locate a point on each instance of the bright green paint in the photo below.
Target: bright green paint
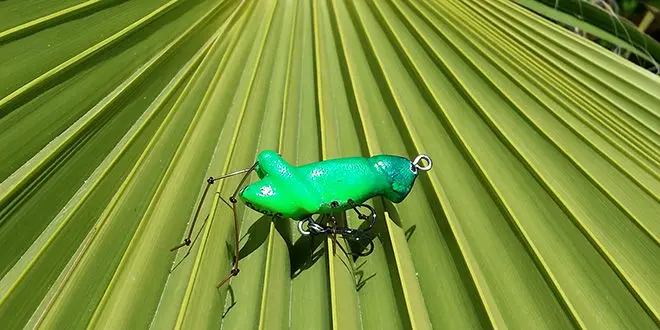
{"x": 327, "y": 186}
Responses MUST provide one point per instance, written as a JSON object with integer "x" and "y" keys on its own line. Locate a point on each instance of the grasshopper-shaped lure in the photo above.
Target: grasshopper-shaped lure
{"x": 323, "y": 188}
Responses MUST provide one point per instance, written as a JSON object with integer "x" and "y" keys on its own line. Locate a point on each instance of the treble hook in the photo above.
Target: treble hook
{"x": 352, "y": 235}
{"x": 357, "y": 236}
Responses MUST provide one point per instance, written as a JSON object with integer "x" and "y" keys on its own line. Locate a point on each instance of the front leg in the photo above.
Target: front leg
{"x": 235, "y": 270}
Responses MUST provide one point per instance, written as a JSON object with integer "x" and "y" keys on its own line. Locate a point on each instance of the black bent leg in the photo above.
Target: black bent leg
{"x": 235, "y": 270}
{"x": 211, "y": 180}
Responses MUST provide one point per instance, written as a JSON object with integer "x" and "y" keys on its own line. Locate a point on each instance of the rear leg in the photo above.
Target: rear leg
{"x": 211, "y": 180}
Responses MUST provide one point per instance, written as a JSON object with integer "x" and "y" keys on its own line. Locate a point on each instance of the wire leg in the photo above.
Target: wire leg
{"x": 235, "y": 270}
{"x": 186, "y": 241}
{"x": 209, "y": 182}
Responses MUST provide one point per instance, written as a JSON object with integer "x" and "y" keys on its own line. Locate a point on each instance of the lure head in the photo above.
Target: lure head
{"x": 400, "y": 174}
{"x": 264, "y": 196}
{"x": 281, "y": 190}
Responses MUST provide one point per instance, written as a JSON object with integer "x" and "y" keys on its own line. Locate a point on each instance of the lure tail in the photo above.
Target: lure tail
{"x": 400, "y": 173}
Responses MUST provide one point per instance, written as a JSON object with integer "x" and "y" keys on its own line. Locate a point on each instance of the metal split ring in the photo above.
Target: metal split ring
{"x": 416, "y": 162}
{"x": 313, "y": 227}
{"x": 300, "y": 227}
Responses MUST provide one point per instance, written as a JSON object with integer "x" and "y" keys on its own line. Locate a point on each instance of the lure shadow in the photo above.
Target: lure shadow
{"x": 230, "y": 292}
{"x": 256, "y": 235}
{"x": 388, "y": 207}
{"x": 361, "y": 280}
{"x": 410, "y": 232}
{"x": 304, "y": 253}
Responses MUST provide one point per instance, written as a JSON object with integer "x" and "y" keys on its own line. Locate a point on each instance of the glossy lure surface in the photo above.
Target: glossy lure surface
{"x": 324, "y": 188}
{"x": 329, "y": 186}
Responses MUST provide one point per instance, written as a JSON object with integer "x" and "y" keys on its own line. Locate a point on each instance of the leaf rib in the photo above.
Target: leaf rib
{"x": 272, "y": 229}
{"x": 206, "y": 233}
{"x": 543, "y": 178}
{"x": 86, "y": 54}
{"x": 201, "y": 56}
{"x": 418, "y": 318}
{"x": 562, "y": 95}
{"x": 23, "y": 175}
{"x": 44, "y": 21}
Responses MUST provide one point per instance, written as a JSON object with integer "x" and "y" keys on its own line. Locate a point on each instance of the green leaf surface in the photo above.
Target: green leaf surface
{"x": 540, "y": 210}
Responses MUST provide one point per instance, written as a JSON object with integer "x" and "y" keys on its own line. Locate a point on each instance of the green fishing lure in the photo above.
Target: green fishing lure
{"x": 328, "y": 186}
{"x": 322, "y": 188}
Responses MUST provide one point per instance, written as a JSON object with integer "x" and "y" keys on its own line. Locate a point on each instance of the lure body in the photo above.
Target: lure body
{"x": 325, "y": 187}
